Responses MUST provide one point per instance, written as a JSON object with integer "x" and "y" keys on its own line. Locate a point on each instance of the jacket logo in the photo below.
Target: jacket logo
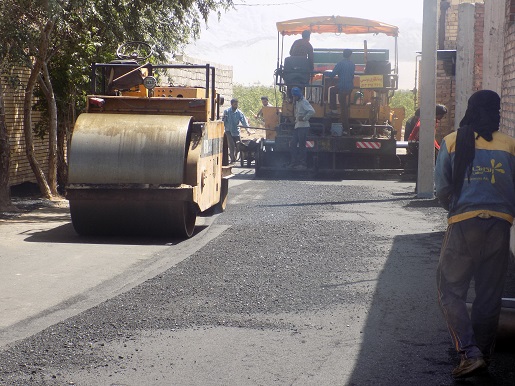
{"x": 489, "y": 172}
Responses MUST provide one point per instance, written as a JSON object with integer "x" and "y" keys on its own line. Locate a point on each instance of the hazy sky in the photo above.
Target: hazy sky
{"x": 246, "y": 37}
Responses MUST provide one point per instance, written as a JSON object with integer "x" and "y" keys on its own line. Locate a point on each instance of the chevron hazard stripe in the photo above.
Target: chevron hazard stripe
{"x": 368, "y": 145}
{"x": 310, "y": 144}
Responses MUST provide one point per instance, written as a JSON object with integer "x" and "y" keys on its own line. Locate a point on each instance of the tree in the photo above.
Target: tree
{"x": 39, "y": 64}
{"x": 249, "y": 99}
{"x": 404, "y": 98}
{"x": 59, "y": 39}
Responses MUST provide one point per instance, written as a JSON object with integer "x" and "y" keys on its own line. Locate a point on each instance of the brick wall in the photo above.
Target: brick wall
{"x": 445, "y": 95}
{"x": 20, "y": 170}
{"x": 445, "y": 83}
{"x": 508, "y": 88}
{"x": 451, "y": 27}
{"x": 445, "y": 80}
{"x": 510, "y": 4}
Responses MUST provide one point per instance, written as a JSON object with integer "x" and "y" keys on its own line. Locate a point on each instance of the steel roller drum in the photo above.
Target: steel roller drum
{"x": 128, "y": 149}
{"x": 117, "y": 162}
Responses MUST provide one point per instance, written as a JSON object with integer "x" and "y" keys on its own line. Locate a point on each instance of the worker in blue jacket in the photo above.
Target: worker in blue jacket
{"x": 345, "y": 69}
{"x": 475, "y": 174}
{"x": 232, "y": 118}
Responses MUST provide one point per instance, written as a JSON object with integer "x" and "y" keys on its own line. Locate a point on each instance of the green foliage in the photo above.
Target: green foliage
{"x": 88, "y": 31}
{"x": 404, "y": 98}
{"x": 249, "y": 100}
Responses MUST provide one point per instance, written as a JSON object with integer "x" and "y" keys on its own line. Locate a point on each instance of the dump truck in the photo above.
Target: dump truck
{"x": 375, "y": 127}
{"x": 147, "y": 157}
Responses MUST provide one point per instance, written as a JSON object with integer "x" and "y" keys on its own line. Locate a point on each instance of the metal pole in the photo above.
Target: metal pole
{"x": 493, "y": 51}
{"x": 426, "y": 156}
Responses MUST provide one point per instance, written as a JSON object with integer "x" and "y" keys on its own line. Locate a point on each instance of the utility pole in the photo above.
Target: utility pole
{"x": 493, "y": 50}
{"x": 426, "y": 152}
{"x": 465, "y": 52}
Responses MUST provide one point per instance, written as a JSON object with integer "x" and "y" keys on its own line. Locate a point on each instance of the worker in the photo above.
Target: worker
{"x": 441, "y": 110}
{"x": 475, "y": 176}
{"x": 303, "y": 112}
{"x": 302, "y": 47}
{"x": 411, "y": 166}
{"x": 232, "y": 118}
{"x": 345, "y": 69}
{"x": 264, "y": 103}
{"x": 410, "y": 124}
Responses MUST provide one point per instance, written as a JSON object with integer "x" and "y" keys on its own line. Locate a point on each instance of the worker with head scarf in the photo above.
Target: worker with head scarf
{"x": 475, "y": 174}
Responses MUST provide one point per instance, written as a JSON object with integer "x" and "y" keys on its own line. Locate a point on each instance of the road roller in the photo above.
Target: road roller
{"x": 145, "y": 158}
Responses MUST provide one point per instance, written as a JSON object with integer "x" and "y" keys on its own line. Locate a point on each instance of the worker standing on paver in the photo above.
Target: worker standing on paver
{"x": 345, "y": 69}
{"x": 303, "y": 112}
{"x": 475, "y": 181}
{"x": 264, "y": 103}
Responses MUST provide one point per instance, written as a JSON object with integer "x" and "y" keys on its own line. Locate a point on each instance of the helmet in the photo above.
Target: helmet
{"x": 295, "y": 91}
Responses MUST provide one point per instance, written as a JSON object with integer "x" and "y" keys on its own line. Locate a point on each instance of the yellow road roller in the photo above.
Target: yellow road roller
{"x": 145, "y": 158}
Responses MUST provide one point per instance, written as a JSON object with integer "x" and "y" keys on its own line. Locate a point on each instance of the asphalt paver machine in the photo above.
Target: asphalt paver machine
{"x": 371, "y": 142}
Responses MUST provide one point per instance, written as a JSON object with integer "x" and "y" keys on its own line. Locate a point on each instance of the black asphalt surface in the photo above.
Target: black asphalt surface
{"x": 295, "y": 249}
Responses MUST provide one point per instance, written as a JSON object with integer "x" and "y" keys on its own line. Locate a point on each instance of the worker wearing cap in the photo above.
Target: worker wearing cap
{"x": 303, "y": 111}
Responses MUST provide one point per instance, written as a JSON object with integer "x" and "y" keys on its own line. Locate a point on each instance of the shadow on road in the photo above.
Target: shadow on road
{"x": 405, "y": 341}
{"x": 65, "y": 234}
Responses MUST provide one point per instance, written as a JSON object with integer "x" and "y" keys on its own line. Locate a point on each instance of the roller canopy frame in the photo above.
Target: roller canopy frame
{"x": 337, "y": 25}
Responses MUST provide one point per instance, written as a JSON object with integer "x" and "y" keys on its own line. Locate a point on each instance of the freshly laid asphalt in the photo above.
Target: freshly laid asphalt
{"x": 298, "y": 282}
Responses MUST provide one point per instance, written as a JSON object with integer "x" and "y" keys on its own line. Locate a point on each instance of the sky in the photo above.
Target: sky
{"x": 246, "y": 36}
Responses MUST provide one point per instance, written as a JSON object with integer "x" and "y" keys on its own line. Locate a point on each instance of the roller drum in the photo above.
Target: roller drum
{"x": 118, "y": 164}
{"x": 128, "y": 149}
